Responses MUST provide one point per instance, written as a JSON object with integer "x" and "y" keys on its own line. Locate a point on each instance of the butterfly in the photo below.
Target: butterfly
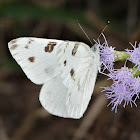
{"x": 66, "y": 69}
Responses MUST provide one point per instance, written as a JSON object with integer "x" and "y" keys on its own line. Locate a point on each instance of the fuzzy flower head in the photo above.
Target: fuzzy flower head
{"x": 121, "y": 74}
{"x": 107, "y": 54}
{"x": 135, "y": 55}
{"x": 125, "y": 88}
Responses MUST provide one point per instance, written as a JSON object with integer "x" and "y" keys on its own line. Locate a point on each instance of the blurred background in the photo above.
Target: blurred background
{"x": 21, "y": 115}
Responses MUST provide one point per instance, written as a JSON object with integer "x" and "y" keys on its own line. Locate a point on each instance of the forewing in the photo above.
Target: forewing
{"x": 36, "y": 56}
{"x": 78, "y": 71}
{"x": 79, "y": 95}
{"x": 72, "y": 57}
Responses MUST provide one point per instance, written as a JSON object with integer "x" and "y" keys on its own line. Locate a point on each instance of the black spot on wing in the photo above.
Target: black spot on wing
{"x": 31, "y": 59}
{"x": 13, "y": 46}
{"x": 13, "y": 41}
{"x": 66, "y": 46}
{"x": 65, "y": 63}
{"x": 26, "y": 47}
{"x": 72, "y": 72}
{"x": 50, "y": 46}
{"x": 74, "y": 50}
{"x": 30, "y": 41}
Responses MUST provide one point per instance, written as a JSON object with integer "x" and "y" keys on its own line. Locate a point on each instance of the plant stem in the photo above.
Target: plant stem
{"x": 136, "y": 72}
{"x": 121, "y": 55}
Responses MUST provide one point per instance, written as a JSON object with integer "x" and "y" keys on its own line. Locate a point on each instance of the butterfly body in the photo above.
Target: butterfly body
{"x": 67, "y": 70}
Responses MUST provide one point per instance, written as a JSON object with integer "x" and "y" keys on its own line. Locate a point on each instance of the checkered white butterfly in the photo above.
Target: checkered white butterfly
{"x": 67, "y": 70}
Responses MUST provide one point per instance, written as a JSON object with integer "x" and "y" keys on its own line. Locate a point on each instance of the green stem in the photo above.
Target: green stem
{"x": 121, "y": 55}
{"x": 136, "y": 72}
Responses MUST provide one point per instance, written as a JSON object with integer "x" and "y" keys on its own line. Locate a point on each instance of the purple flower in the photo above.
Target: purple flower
{"x": 135, "y": 55}
{"x": 125, "y": 88}
{"x": 107, "y": 54}
{"x": 120, "y": 74}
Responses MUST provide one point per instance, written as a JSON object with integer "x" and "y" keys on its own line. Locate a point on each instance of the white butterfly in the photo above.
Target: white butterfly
{"x": 67, "y": 70}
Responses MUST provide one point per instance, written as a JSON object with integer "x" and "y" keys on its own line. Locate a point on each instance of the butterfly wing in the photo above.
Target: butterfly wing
{"x": 66, "y": 68}
{"x": 36, "y": 56}
{"x": 78, "y": 66}
{"x": 53, "y": 97}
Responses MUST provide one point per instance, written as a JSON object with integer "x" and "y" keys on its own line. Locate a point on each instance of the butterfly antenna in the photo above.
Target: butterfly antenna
{"x": 108, "y": 22}
{"x": 84, "y": 32}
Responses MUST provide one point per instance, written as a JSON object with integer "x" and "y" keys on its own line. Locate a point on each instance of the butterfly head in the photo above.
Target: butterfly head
{"x": 95, "y": 48}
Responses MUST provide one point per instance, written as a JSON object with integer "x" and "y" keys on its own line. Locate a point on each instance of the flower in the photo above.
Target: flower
{"x": 124, "y": 88}
{"x": 135, "y": 55}
{"x": 107, "y": 54}
{"x": 121, "y": 74}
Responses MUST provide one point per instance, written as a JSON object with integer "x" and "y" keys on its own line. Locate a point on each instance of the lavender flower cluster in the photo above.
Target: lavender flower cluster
{"x": 125, "y": 87}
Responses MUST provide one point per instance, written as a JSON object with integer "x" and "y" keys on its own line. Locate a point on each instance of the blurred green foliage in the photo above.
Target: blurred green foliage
{"x": 19, "y": 11}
